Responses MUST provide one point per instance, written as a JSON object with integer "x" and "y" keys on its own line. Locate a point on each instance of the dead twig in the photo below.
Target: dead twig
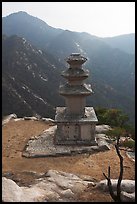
{"x": 117, "y": 197}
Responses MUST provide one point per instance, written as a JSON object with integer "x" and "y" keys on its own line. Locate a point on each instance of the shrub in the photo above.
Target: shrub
{"x": 112, "y": 117}
{"x": 115, "y": 132}
{"x": 130, "y": 129}
{"x": 129, "y": 144}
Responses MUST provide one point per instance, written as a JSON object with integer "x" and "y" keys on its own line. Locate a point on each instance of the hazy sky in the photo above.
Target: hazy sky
{"x": 103, "y": 19}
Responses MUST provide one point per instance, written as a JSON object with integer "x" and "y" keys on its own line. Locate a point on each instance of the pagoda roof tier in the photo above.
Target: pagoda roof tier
{"x": 67, "y": 89}
{"x": 76, "y": 58}
{"x": 75, "y": 73}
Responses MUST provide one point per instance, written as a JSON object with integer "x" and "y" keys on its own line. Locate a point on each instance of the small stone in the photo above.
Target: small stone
{"x": 127, "y": 197}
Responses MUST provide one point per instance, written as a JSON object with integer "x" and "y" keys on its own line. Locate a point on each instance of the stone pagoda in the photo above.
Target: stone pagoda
{"x": 75, "y": 123}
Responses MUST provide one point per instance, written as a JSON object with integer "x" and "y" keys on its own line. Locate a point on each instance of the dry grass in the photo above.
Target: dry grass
{"x": 14, "y": 138}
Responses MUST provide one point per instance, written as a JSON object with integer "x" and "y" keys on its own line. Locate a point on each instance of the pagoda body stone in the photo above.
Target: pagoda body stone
{"x": 75, "y": 123}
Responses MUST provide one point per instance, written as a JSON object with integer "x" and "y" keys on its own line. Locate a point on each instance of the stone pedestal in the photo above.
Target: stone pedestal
{"x": 72, "y": 129}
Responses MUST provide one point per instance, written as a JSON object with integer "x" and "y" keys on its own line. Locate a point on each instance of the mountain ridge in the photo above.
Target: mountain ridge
{"x": 112, "y": 72}
{"x": 35, "y": 20}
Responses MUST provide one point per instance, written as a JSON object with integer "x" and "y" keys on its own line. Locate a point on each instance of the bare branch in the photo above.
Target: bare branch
{"x": 105, "y": 176}
{"x": 121, "y": 172}
{"x": 116, "y": 198}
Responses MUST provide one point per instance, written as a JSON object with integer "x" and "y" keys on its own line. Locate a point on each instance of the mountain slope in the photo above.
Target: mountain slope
{"x": 30, "y": 79}
{"x": 125, "y": 42}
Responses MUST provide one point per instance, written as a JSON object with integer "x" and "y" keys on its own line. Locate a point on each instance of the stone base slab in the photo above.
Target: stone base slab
{"x": 43, "y": 146}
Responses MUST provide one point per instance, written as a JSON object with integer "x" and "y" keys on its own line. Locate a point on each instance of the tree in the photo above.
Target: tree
{"x": 112, "y": 117}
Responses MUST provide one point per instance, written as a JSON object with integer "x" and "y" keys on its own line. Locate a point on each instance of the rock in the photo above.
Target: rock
{"x": 11, "y": 192}
{"x": 54, "y": 174}
{"x": 66, "y": 180}
{"x": 13, "y": 115}
{"x": 51, "y": 130}
{"x": 47, "y": 120}
{"x": 31, "y": 118}
{"x": 103, "y": 147}
{"x": 67, "y": 193}
{"x": 17, "y": 119}
{"x": 88, "y": 178}
{"x": 127, "y": 189}
{"x": 102, "y": 142}
{"x": 52, "y": 186}
{"x": 127, "y": 197}
{"x": 8, "y": 118}
{"x": 131, "y": 155}
{"x": 126, "y": 185}
{"x": 8, "y": 174}
{"x": 102, "y": 128}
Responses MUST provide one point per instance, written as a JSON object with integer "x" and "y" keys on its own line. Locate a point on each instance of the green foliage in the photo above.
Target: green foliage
{"x": 112, "y": 117}
{"x": 130, "y": 129}
{"x": 115, "y": 117}
{"x": 117, "y": 120}
{"x": 100, "y": 115}
{"x": 115, "y": 132}
{"x": 129, "y": 144}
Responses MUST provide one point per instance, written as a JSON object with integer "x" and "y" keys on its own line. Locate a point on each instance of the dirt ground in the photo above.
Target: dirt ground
{"x": 22, "y": 170}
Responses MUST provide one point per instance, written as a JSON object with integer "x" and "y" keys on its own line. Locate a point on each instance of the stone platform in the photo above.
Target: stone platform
{"x": 43, "y": 146}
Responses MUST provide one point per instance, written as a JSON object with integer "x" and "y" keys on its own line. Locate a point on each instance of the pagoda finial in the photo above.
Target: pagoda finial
{"x": 76, "y": 60}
